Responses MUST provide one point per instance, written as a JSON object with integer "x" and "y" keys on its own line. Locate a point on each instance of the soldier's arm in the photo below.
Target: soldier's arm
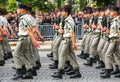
{"x": 1, "y": 33}
{"x": 1, "y": 29}
{"x": 72, "y": 35}
{"x": 38, "y": 33}
{"x": 73, "y": 41}
{"x": 31, "y": 35}
{"x": 10, "y": 28}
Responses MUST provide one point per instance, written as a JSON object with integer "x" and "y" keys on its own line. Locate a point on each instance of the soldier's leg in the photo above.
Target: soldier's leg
{"x": 86, "y": 48}
{"x": 109, "y": 58}
{"x": 32, "y": 53}
{"x": 52, "y": 44}
{"x": 72, "y": 58}
{"x": 22, "y": 49}
{"x": 2, "y": 62}
{"x": 63, "y": 53}
{"x": 5, "y": 48}
{"x": 92, "y": 51}
{"x": 38, "y": 63}
{"x": 117, "y": 59}
{"x": 55, "y": 52}
{"x": 104, "y": 50}
{"x": 100, "y": 46}
{"x": 9, "y": 51}
{"x": 56, "y": 47}
{"x": 99, "y": 50}
{"x": 93, "y": 47}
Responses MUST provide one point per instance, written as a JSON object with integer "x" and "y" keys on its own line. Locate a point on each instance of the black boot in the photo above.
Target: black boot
{"x": 34, "y": 72}
{"x": 102, "y": 71}
{"x": 28, "y": 74}
{"x": 54, "y": 65}
{"x": 58, "y": 74}
{"x": 85, "y": 56}
{"x": 117, "y": 75}
{"x": 50, "y": 55}
{"x": 63, "y": 72}
{"x": 2, "y": 62}
{"x": 115, "y": 70}
{"x": 76, "y": 74}
{"x": 81, "y": 54}
{"x": 10, "y": 55}
{"x": 5, "y": 56}
{"x": 69, "y": 69}
{"x": 100, "y": 65}
{"x": 106, "y": 74}
{"x": 89, "y": 62}
{"x": 67, "y": 64}
{"x": 70, "y": 72}
{"x": 96, "y": 59}
{"x": 18, "y": 75}
{"x": 38, "y": 65}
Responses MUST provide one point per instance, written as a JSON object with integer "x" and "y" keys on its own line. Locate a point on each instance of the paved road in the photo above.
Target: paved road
{"x": 89, "y": 74}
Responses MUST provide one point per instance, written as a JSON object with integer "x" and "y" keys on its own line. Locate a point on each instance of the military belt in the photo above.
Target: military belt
{"x": 66, "y": 38}
{"x": 21, "y": 36}
{"x": 96, "y": 33}
{"x": 113, "y": 38}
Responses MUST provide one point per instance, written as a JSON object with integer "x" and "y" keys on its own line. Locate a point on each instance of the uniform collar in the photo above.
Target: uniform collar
{"x": 22, "y": 16}
{"x": 68, "y": 17}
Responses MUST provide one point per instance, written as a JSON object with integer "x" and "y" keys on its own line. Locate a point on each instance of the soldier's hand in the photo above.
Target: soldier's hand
{"x": 1, "y": 37}
{"x": 107, "y": 31}
{"x": 104, "y": 29}
{"x": 13, "y": 35}
{"x": 61, "y": 31}
{"x": 5, "y": 33}
{"x": 74, "y": 46}
{"x": 99, "y": 27}
{"x": 35, "y": 43}
{"x": 16, "y": 29}
{"x": 41, "y": 39}
{"x": 56, "y": 27}
{"x": 94, "y": 26}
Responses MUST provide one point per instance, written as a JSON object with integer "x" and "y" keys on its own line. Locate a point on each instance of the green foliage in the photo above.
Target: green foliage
{"x": 11, "y": 6}
{"x": 102, "y": 3}
{"x": 45, "y": 5}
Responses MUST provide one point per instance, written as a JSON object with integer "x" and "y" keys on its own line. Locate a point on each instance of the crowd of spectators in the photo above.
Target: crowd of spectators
{"x": 47, "y": 17}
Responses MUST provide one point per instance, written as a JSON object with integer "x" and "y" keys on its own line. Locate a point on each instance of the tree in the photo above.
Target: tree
{"x": 3, "y": 3}
{"x": 101, "y": 3}
{"x": 11, "y": 5}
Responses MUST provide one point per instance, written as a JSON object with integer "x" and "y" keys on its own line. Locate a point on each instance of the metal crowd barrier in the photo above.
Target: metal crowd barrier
{"x": 47, "y": 31}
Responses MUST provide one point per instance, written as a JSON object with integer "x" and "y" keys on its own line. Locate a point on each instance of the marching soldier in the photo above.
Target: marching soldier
{"x": 5, "y": 44}
{"x": 67, "y": 45}
{"x": 102, "y": 22}
{"x": 22, "y": 49}
{"x": 57, "y": 41}
{"x": 112, "y": 53}
{"x": 2, "y": 61}
{"x": 94, "y": 39}
{"x": 87, "y": 30}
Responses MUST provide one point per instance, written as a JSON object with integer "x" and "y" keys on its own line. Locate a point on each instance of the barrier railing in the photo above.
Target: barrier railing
{"x": 48, "y": 33}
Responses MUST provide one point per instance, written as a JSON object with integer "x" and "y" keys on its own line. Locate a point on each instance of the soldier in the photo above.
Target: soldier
{"x": 87, "y": 16}
{"x": 94, "y": 39}
{"x": 112, "y": 53}
{"x": 67, "y": 45}
{"x": 6, "y": 27}
{"x": 57, "y": 41}
{"x": 34, "y": 50}
{"x": 2, "y": 61}
{"x": 102, "y": 22}
{"x": 22, "y": 49}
